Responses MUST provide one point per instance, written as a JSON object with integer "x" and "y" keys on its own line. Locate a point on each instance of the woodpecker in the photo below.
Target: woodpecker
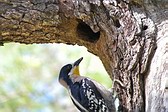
{"x": 86, "y": 94}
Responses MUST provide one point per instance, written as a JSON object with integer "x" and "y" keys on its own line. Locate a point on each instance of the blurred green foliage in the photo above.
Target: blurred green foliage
{"x": 28, "y": 76}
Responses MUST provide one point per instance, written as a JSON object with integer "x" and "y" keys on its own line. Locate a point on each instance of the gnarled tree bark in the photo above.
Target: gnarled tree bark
{"x": 129, "y": 36}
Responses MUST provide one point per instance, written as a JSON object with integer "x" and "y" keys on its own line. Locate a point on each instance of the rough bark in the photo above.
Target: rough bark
{"x": 124, "y": 34}
{"x": 157, "y": 80}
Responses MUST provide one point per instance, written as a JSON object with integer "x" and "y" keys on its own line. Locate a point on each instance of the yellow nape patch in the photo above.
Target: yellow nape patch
{"x": 76, "y": 71}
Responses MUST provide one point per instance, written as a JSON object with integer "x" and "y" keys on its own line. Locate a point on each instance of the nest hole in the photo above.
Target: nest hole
{"x": 145, "y": 27}
{"x": 86, "y": 33}
{"x": 117, "y": 23}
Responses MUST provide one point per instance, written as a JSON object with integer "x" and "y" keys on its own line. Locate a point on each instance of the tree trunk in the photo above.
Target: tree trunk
{"x": 128, "y": 36}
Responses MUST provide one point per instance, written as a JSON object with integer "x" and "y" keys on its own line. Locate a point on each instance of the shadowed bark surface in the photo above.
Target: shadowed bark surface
{"x": 130, "y": 37}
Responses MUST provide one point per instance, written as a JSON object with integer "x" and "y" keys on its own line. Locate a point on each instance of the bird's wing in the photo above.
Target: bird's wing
{"x": 79, "y": 106}
{"x": 107, "y": 95}
{"x": 86, "y": 94}
{"x": 77, "y": 97}
{"x": 103, "y": 91}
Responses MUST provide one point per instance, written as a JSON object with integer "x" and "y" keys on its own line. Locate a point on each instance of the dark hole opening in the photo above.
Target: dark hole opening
{"x": 85, "y": 33}
{"x": 117, "y": 23}
{"x": 65, "y": 1}
{"x": 145, "y": 27}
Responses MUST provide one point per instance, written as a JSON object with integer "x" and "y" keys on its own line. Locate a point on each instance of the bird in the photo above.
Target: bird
{"x": 86, "y": 94}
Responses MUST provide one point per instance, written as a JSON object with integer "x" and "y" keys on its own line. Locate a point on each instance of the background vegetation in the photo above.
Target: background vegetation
{"x": 28, "y": 76}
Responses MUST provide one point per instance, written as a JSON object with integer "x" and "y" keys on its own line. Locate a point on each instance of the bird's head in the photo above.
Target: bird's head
{"x": 68, "y": 71}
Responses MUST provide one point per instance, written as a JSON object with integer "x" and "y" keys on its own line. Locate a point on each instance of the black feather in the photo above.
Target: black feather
{"x": 87, "y": 95}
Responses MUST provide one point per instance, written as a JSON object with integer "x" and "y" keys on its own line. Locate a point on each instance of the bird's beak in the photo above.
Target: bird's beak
{"x": 76, "y": 66}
